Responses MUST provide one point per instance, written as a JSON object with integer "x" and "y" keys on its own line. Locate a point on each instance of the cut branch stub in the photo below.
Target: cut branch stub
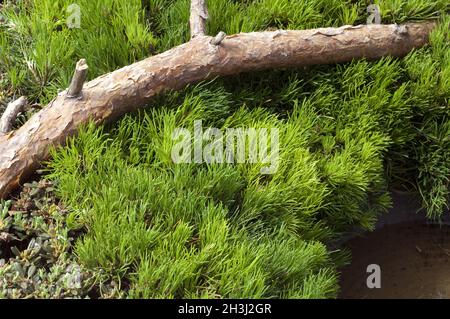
{"x": 10, "y": 114}
{"x": 199, "y": 15}
{"x": 218, "y": 38}
{"x": 76, "y": 86}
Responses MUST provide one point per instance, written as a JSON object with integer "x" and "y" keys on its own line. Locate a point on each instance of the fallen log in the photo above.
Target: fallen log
{"x": 110, "y": 96}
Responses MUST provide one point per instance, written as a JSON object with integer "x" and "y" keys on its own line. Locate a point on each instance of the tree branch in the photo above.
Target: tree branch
{"x": 199, "y": 15}
{"x": 110, "y": 96}
{"x": 10, "y": 114}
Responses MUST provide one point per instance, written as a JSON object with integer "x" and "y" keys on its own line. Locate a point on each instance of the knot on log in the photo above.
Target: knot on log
{"x": 79, "y": 76}
{"x": 401, "y": 30}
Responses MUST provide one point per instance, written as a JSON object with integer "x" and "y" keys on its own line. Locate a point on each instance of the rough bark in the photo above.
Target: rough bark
{"x": 110, "y": 96}
{"x": 199, "y": 15}
{"x": 10, "y": 114}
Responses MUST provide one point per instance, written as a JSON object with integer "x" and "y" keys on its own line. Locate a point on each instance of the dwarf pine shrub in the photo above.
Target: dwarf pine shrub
{"x": 348, "y": 134}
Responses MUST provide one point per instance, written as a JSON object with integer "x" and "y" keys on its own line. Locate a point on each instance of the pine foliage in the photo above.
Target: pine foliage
{"x": 349, "y": 133}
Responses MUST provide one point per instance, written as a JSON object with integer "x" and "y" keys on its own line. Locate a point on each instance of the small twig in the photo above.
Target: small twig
{"x": 199, "y": 15}
{"x": 218, "y": 38}
{"x": 76, "y": 86}
{"x": 9, "y": 116}
{"x": 445, "y": 250}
